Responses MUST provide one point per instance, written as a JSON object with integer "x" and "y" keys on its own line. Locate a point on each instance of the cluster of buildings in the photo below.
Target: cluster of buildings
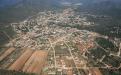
{"x": 69, "y": 49}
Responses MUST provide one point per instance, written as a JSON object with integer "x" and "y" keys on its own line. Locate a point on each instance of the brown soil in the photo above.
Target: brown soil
{"x": 6, "y": 53}
{"x": 36, "y": 62}
{"x": 19, "y": 63}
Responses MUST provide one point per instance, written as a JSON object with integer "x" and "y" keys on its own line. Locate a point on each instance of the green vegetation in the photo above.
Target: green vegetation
{"x": 6, "y": 31}
{"x": 16, "y": 14}
{"x": 98, "y": 52}
{"x": 111, "y": 72}
{"x": 107, "y": 44}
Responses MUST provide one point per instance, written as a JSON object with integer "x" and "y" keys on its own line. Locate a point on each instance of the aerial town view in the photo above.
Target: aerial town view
{"x": 66, "y": 37}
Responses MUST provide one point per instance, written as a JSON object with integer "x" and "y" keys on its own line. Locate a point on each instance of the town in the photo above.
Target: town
{"x": 50, "y": 43}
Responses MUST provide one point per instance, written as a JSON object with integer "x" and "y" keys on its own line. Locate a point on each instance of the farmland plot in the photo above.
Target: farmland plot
{"x": 36, "y": 62}
{"x": 19, "y": 63}
{"x": 6, "y": 53}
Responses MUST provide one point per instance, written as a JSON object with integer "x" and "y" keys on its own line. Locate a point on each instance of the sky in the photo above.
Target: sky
{"x": 8, "y": 2}
{"x": 11, "y": 2}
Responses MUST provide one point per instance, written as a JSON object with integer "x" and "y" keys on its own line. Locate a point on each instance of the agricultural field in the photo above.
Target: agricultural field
{"x": 30, "y": 61}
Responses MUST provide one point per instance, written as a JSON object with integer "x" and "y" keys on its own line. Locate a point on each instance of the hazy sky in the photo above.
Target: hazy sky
{"x": 11, "y": 2}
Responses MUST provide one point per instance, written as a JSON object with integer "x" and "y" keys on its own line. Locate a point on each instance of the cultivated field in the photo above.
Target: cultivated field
{"x": 6, "y": 53}
{"x": 19, "y": 63}
{"x": 36, "y": 62}
{"x": 30, "y": 61}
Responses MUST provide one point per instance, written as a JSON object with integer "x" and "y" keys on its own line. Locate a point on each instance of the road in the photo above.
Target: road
{"x": 72, "y": 56}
